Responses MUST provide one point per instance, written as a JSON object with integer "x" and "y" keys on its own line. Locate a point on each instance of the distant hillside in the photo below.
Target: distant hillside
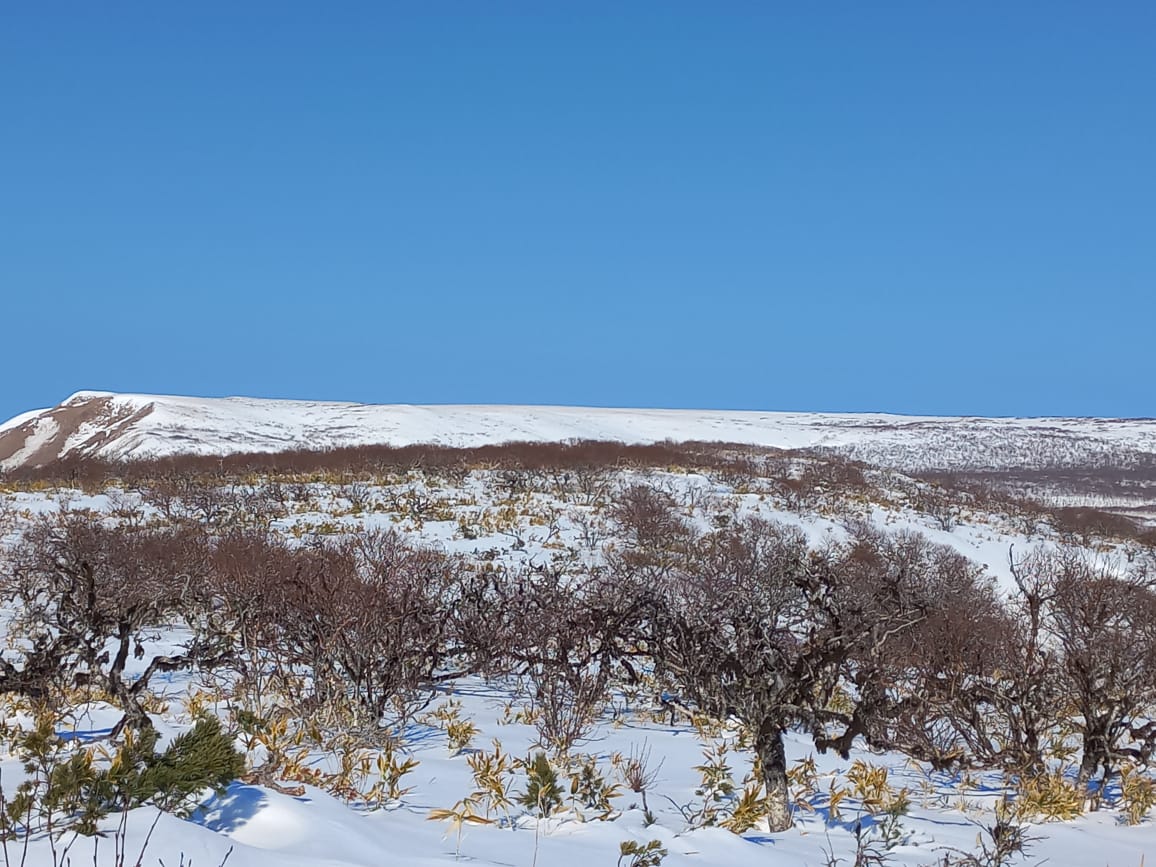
{"x": 1110, "y": 458}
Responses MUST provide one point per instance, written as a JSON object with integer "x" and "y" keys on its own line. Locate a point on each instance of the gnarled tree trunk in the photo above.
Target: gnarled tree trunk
{"x": 773, "y": 762}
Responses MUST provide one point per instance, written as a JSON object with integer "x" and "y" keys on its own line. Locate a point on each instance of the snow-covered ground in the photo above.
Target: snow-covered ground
{"x": 254, "y": 825}
{"x": 118, "y": 426}
{"x": 314, "y": 829}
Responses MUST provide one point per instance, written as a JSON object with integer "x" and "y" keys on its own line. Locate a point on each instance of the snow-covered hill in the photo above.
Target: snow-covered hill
{"x": 118, "y": 426}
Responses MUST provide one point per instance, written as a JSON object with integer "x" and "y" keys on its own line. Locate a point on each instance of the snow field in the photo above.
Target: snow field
{"x": 258, "y": 825}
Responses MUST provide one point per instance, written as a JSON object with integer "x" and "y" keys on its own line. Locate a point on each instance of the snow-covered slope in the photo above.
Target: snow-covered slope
{"x": 135, "y": 426}
{"x": 337, "y": 825}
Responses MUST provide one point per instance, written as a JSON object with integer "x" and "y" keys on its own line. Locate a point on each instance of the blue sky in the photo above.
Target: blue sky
{"x": 911, "y": 207}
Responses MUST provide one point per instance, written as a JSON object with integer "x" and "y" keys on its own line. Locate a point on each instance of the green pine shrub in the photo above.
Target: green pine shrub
{"x": 543, "y": 790}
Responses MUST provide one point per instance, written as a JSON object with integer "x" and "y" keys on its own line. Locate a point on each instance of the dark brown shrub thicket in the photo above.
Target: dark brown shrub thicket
{"x": 89, "y": 596}
{"x": 896, "y": 639}
{"x": 882, "y": 636}
{"x": 564, "y": 634}
{"x": 383, "y": 460}
{"x": 1004, "y": 681}
{"x": 1103, "y": 624}
{"x": 1086, "y": 526}
{"x": 758, "y": 625}
{"x": 367, "y": 619}
{"x": 653, "y": 536}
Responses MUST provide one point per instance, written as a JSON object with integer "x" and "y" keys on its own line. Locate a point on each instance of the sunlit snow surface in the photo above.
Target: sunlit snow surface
{"x": 163, "y": 425}
{"x": 264, "y": 827}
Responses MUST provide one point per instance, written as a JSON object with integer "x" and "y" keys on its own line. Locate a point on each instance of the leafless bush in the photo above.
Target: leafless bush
{"x": 588, "y": 484}
{"x": 378, "y": 461}
{"x": 652, "y": 536}
{"x": 1088, "y": 526}
{"x": 82, "y": 586}
{"x": 1073, "y": 649}
{"x": 183, "y": 497}
{"x": 563, "y": 634}
{"x": 969, "y": 681}
{"x": 755, "y": 624}
{"x": 936, "y": 502}
{"x": 639, "y": 775}
{"x": 374, "y": 623}
{"x": 1103, "y": 622}
{"x": 358, "y": 494}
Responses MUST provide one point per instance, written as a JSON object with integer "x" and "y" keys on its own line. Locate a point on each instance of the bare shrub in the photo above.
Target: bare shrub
{"x": 968, "y": 682}
{"x": 653, "y": 537}
{"x": 372, "y": 622}
{"x": 1072, "y": 651}
{"x": 1104, "y": 624}
{"x": 90, "y": 596}
{"x": 535, "y": 460}
{"x": 1088, "y": 526}
{"x": 756, "y": 625}
{"x": 184, "y": 497}
{"x": 563, "y": 634}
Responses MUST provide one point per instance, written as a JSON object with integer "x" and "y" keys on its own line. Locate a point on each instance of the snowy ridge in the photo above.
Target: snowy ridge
{"x": 126, "y": 426}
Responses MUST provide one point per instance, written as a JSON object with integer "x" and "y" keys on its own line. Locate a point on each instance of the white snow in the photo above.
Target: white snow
{"x": 255, "y": 826}
{"x": 44, "y": 430}
{"x": 18, "y": 420}
{"x": 236, "y": 424}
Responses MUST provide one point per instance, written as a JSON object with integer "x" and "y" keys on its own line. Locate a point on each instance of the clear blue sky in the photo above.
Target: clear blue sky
{"x": 914, "y": 207}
